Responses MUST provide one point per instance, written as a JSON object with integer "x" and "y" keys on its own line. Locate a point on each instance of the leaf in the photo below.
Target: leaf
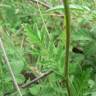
{"x": 38, "y": 33}
{"x": 90, "y": 49}
{"x": 81, "y": 35}
{"x": 20, "y": 79}
{"x": 17, "y": 65}
{"x": 80, "y": 83}
{"x": 72, "y": 7}
{"x": 32, "y": 36}
{"x": 35, "y": 90}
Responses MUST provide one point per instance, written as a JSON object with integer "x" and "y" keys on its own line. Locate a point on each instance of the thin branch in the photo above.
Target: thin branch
{"x": 36, "y": 79}
{"x": 33, "y": 81}
{"x": 41, "y": 3}
{"x": 9, "y": 67}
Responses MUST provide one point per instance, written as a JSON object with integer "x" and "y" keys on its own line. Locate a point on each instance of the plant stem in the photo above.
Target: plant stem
{"x": 9, "y": 67}
{"x": 67, "y": 45}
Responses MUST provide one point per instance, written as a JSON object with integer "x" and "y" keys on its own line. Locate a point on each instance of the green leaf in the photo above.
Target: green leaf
{"x": 20, "y": 79}
{"x": 81, "y": 35}
{"x": 35, "y": 90}
{"x": 32, "y": 36}
{"x": 72, "y": 7}
{"x": 17, "y": 65}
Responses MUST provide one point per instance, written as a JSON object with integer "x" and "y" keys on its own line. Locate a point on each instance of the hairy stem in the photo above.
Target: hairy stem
{"x": 67, "y": 45}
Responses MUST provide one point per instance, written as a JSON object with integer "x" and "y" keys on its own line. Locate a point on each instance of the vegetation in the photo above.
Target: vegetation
{"x": 47, "y": 48}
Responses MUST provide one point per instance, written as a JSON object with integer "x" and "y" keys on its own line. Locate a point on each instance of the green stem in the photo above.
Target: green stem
{"x": 67, "y": 45}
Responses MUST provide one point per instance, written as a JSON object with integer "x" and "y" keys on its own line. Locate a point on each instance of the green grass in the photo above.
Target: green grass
{"x": 34, "y": 39}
